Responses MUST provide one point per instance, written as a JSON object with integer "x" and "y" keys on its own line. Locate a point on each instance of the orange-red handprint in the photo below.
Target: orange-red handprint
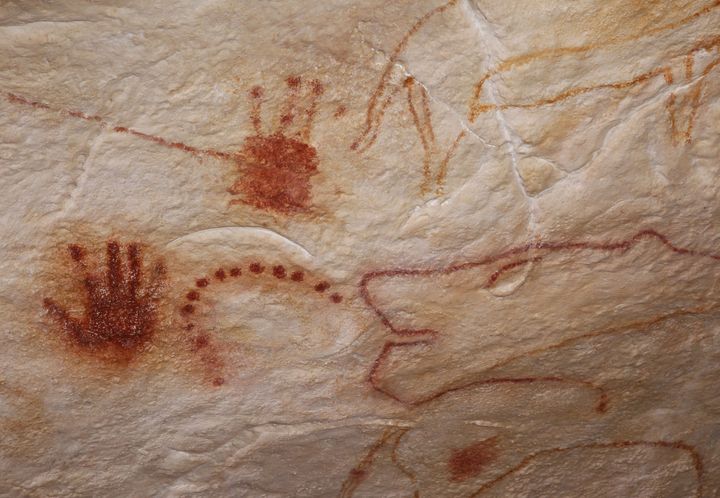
{"x": 120, "y": 307}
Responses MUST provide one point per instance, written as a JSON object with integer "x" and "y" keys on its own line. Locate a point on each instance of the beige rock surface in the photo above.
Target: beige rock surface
{"x": 360, "y": 248}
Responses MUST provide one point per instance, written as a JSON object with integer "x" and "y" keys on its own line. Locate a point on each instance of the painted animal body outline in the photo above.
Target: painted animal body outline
{"x": 516, "y": 256}
{"x": 385, "y": 93}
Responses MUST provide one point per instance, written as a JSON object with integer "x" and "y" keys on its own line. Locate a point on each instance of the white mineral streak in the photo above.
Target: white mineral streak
{"x": 360, "y": 248}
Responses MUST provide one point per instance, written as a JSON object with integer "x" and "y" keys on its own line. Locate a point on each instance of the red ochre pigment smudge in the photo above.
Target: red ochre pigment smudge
{"x": 279, "y": 271}
{"x": 336, "y": 298}
{"x": 193, "y": 295}
{"x": 188, "y": 309}
{"x": 220, "y": 274}
{"x": 256, "y": 268}
{"x": 297, "y": 276}
{"x": 235, "y": 272}
{"x": 471, "y": 461}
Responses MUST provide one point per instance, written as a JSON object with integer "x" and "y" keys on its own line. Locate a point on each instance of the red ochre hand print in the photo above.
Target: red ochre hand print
{"x": 120, "y": 305}
{"x": 275, "y": 167}
{"x": 274, "y": 282}
{"x": 567, "y": 291}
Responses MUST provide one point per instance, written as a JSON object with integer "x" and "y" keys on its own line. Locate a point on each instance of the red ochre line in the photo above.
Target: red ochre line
{"x": 497, "y": 273}
{"x": 677, "y": 445}
{"x": 430, "y": 335}
{"x": 358, "y": 473}
{"x": 394, "y": 436}
{"x": 17, "y": 99}
{"x": 600, "y": 406}
{"x": 373, "y": 115}
{"x": 621, "y": 246}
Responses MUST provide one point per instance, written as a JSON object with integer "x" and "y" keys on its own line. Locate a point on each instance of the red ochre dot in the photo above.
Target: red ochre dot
{"x": 188, "y": 308}
{"x": 256, "y": 268}
{"x": 193, "y": 295}
{"x": 77, "y": 253}
{"x": 322, "y": 286}
{"x": 218, "y": 381}
{"x": 256, "y": 92}
{"x": 297, "y": 276}
{"x": 189, "y": 326}
{"x": 279, "y": 271}
{"x": 202, "y": 282}
{"x": 220, "y": 274}
{"x": 235, "y": 272}
{"x": 317, "y": 88}
{"x": 336, "y": 298}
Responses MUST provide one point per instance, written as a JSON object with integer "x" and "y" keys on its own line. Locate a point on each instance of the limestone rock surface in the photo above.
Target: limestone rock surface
{"x": 359, "y": 248}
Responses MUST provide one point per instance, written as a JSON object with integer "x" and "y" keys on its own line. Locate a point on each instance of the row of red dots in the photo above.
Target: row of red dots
{"x": 278, "y": 271}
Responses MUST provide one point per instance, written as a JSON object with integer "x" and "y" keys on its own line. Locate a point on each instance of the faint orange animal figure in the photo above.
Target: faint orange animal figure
{"x": 276, "y": 167}
{"x": 120, "y": 307}
{"x": 530, "y": 80}
{"x": 700, "y": 59}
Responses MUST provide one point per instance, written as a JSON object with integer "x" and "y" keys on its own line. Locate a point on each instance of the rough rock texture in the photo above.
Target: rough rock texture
{"x": 360, "y": 248}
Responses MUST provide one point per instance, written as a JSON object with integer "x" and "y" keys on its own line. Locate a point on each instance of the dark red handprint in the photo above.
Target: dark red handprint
{"x": 120, "y": 306}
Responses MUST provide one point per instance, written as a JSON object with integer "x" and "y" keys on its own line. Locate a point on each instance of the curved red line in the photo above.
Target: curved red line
{"x": 622, "y": 245}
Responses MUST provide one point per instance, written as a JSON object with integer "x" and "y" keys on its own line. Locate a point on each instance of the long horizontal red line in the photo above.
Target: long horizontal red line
{"x": 104, "y": 123}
